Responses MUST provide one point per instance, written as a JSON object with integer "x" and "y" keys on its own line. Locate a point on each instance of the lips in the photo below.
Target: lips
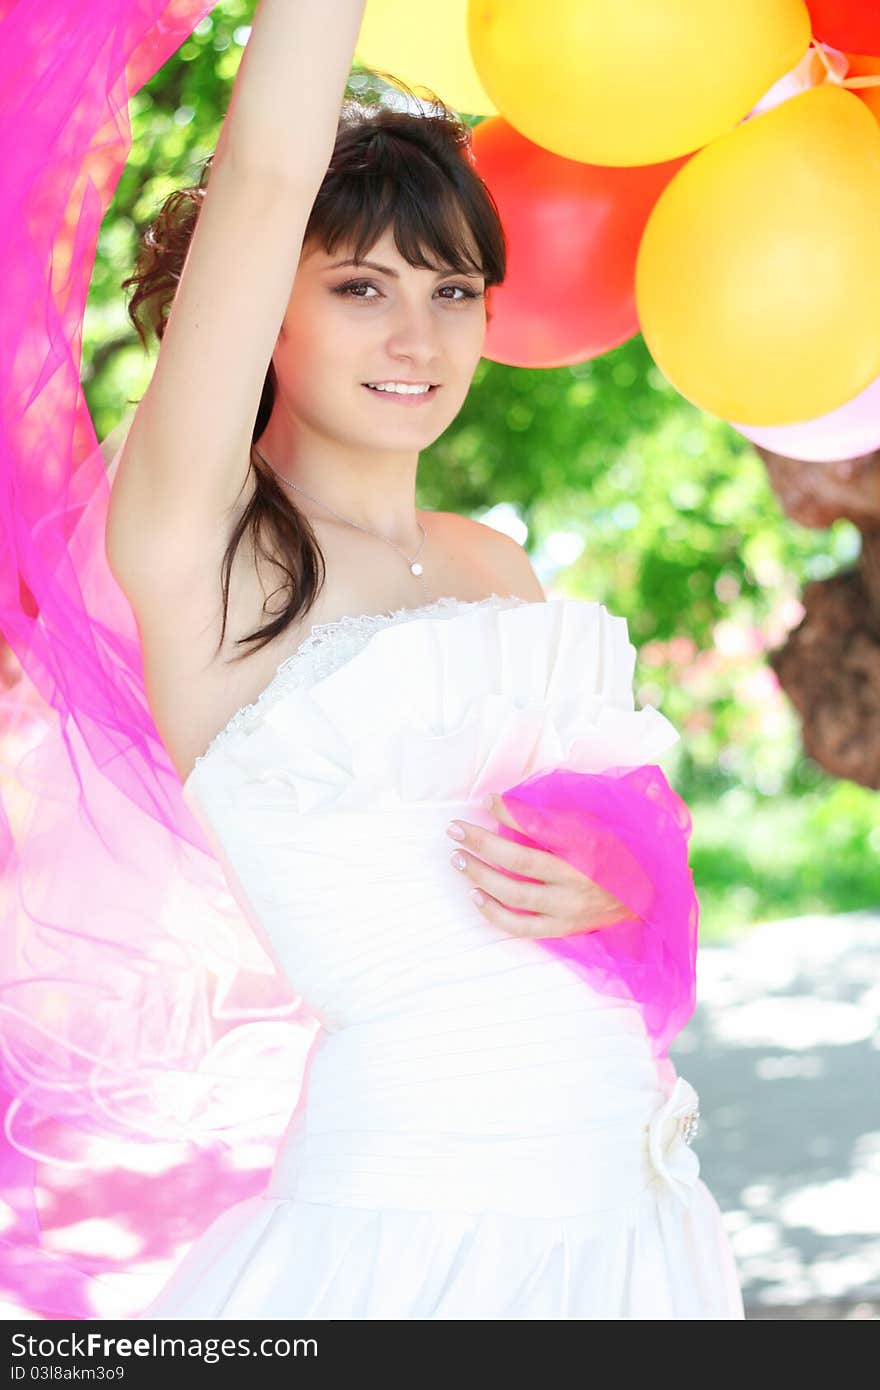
{"x": 432, "y": 387}
{"x": 410, "y": 398}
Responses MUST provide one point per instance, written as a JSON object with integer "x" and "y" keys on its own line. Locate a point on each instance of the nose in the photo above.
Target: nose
{"x": 413, "y": 335}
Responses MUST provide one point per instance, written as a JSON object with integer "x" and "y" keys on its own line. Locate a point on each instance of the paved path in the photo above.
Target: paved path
{"x": 784, "y": 1050}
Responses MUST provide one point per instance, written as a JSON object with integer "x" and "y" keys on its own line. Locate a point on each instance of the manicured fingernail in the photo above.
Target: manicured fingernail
{"x": 489, "y": 801}
{"x": 459, "y": 860}
{"x": 455, "y": 830}
{"x": 477, "y": 896}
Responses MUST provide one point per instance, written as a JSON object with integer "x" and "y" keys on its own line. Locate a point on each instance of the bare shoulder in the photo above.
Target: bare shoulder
{"x": 504, "y": 558}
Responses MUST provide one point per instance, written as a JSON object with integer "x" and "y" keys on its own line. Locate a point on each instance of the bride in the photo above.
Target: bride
{"x": 484, "y": 1133}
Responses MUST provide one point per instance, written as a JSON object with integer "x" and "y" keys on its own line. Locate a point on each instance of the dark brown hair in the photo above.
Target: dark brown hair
{"x": 413, "y": 171}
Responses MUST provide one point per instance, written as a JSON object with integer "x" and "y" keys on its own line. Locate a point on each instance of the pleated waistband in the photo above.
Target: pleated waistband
{"x": 550, "y": 1175}
{"x": 583, "y": 1129}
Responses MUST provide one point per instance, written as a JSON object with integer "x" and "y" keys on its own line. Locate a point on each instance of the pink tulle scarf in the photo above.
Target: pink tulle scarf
{"x": 628, "y": 831}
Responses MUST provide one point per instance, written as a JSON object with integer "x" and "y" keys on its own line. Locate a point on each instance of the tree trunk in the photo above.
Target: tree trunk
{"x": 829, "y": 666}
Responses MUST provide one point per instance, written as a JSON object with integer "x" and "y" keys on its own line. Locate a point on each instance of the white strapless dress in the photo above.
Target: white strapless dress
{"x": 481, "y": 1135}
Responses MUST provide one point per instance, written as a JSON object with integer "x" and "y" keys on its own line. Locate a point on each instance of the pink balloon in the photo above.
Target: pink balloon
{"x": 848, "y": 432}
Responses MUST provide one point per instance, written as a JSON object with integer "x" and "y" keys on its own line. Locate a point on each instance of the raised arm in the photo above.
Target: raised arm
{"x": 187, "y": 453}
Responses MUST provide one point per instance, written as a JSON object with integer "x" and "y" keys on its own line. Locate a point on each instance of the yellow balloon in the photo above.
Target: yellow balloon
{"x": 758, "y": 272}
{"x": 424, "y": 45}
{"x": 627, "y": 82}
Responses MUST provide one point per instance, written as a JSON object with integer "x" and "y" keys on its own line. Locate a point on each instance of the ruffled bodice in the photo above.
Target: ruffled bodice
{"x": 435, "y": 703}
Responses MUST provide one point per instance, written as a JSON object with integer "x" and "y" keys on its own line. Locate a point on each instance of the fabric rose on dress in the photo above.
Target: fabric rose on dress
{"x": 670, "y": 1131}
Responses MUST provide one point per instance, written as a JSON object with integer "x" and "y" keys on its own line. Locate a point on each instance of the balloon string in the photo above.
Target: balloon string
{"x": 862, "y": 81}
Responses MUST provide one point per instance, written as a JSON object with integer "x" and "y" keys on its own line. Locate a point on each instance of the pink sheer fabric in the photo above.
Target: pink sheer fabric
{"x": 628, "y": 831}
{"x": 135, "y": 1001}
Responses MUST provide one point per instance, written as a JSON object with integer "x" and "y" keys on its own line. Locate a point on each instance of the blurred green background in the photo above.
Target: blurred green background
{"x": 621, "y": 492}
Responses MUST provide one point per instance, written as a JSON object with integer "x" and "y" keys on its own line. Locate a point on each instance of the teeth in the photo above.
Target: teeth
{"x": 402, "y": 388}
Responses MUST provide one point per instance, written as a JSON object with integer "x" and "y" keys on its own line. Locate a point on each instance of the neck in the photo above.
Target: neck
{"x": 372, "y": 489}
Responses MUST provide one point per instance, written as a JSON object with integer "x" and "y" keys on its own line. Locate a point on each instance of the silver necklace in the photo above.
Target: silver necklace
{"x": 414, "y": 565}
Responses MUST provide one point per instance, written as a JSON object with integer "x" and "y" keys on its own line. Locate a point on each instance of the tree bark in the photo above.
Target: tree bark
{"x": 829, "y": 665}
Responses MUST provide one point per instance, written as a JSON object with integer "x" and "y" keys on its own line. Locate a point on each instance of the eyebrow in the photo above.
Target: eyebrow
{"x": 387, "y": 270}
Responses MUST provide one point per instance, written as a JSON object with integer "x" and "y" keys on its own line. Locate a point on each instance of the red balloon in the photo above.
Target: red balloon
{"x": 573, "y": 233}
{"x": 851, "y": 25}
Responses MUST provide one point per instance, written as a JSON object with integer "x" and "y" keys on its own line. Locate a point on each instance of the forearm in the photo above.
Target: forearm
{"x": 284, "y": 109}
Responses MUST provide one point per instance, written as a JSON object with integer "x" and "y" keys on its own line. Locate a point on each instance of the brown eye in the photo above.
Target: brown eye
{"x": 465, "y": 290}
{"x": 354, "y": 285}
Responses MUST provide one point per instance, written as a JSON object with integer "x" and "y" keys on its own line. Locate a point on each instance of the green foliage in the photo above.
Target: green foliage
{"x": 759, "y": 858}
{"x": 622, "y": 492}
{"x": 175, "y": 121}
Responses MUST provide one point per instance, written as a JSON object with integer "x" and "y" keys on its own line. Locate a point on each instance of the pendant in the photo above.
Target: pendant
{"x": 416, "y": 567}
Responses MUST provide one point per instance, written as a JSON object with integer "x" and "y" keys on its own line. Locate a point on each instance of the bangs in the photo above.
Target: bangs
{"x": 411, "y": 174}
{"x": 430, "y": 230}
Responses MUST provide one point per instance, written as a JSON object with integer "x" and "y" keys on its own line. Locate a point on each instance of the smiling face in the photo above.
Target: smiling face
{"x": 383, "y": 320}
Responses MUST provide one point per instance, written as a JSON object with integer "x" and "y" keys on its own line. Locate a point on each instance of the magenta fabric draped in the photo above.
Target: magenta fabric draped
{"x": 135, "y": 1001}
{"x": 628, "y": 831}
{"x": 127, "y": 975}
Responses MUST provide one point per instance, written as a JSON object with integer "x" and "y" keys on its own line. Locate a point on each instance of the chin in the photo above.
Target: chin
{"x": 424, "y": 424}
{"x": 406, "y": 440}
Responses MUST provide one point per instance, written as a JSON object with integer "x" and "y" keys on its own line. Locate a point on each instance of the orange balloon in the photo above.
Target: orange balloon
{"x": 631, "y": 82}
{"x": 758, "y": 275}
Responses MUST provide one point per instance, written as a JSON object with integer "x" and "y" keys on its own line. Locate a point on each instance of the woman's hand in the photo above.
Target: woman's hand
{"x": 559, "y": 901}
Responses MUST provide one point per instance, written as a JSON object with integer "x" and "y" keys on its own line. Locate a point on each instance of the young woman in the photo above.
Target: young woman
{"x": 483, "y": 1134}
